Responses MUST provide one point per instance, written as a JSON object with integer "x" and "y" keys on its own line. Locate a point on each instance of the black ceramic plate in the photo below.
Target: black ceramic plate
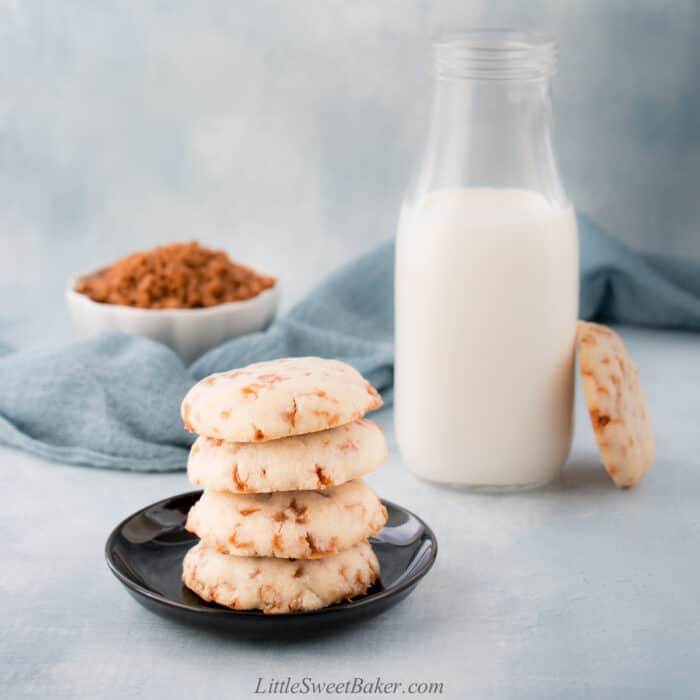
{"x": 145, "y": 553}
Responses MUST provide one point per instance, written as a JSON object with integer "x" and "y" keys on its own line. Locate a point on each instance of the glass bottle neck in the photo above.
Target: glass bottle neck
{"x": 490, "y": 133}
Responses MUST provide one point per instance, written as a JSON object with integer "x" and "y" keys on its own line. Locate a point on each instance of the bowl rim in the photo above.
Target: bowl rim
{"x": 74, "y": 296}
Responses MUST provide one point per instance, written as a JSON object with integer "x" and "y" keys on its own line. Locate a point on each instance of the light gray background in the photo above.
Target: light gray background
{"x": 286, "y": 131}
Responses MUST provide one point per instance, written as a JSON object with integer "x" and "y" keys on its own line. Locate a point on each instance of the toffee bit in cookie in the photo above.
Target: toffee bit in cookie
{"x": 175, "y": 276}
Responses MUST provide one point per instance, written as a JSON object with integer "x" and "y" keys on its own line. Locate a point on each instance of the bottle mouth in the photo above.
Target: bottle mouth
{"x": 495, "y": 54}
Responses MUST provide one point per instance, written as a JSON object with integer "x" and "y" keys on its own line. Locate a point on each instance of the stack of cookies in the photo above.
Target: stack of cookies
{"x": 285, "y": 515}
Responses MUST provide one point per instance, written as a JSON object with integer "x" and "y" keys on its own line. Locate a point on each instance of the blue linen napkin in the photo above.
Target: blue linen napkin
{"x": 113, "y": 401}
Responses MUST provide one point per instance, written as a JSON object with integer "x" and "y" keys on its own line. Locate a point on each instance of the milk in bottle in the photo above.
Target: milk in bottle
{"x": 486, "y": 291}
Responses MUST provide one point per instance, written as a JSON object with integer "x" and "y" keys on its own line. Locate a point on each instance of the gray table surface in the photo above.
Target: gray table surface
{"x": 576, "y": 590}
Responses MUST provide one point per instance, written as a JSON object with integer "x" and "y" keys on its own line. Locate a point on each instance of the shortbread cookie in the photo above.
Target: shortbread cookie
{"x": 616, "y": 404}
{"x": 289, "y": 524}
{"x": 300, "y": 462}
{"x": 276, "y": 399}
{"x": 279, "y": 585}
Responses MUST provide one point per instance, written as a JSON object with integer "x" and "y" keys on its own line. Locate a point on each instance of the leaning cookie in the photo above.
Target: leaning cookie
{"x": 300, "y": 462}
{"x": 616, "y": 404}
{"x": 290, "y": 524}
{"x": 276, "y": 399}
{"x": 279, "y": 585}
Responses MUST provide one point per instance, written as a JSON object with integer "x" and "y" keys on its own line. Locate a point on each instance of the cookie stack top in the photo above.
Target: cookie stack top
{"x": 277, "y": 399}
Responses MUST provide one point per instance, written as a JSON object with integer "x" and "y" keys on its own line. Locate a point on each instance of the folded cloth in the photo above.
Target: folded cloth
{"x": 622, "y": 286}
{"x": 113, "y": 401}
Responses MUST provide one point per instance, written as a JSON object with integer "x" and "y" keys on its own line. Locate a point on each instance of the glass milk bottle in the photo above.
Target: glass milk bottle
{"x": 487, "y": 274}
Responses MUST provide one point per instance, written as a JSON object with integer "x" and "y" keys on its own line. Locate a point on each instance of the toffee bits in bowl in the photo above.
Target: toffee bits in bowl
{"x": 175, "y": 276}
{"x": 182, "y": 294}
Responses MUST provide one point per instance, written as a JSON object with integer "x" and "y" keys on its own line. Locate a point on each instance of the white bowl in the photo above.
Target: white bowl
{"x": 190, "y": 332}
